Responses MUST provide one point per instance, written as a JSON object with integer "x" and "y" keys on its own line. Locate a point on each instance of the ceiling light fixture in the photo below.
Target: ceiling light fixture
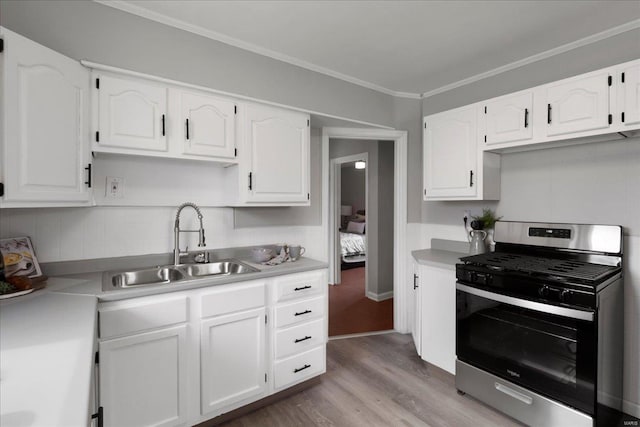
{"x": 360, "y": 164}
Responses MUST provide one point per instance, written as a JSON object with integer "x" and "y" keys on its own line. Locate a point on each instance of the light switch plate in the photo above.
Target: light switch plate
{"x": 114, "y": 188}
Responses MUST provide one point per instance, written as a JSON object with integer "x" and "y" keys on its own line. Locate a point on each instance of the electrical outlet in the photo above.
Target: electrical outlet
{"x": 114, "y": 188}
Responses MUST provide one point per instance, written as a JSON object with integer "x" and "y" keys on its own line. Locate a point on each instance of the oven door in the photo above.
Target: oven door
{"x": 548, "y": 349}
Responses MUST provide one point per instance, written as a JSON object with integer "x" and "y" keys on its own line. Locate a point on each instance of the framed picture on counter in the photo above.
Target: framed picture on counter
{"x": 19, "y": 258}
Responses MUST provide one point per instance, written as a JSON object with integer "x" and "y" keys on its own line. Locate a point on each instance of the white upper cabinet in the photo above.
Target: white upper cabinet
{"x": 450, "y": 153}
{"x": 509, "y": 119}
{"x": 45, "y": 136}
{"x": 578, "y": 104}
{"x": 277, "y": 142}
{"x": 628, "y": 81}
{"x": 132, "y": 115}
{"x": 208, "y": 125}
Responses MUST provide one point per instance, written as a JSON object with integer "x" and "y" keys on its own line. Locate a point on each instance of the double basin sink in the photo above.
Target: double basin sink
{"x": 170, "y": 274}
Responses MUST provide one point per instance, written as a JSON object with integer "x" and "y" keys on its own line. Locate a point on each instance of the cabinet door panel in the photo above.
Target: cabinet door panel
{"x": 211, "y": 126}
{"x": 143, "y": 379}
{"x": 438, "y": 296}
{"x": 130, "y": 114}
{"x": 631, "y": 95}
{"x": 578, "y": 105}
{"x": 232, "y": 359}
{"x": 46, "y": 135}
{"x": 508, "y": 119}
{"x": 450, "y": 152}
{"x": 279, "y": 143}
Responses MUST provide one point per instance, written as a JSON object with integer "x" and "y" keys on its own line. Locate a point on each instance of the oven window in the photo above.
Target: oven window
{"x": 549, "y": 354}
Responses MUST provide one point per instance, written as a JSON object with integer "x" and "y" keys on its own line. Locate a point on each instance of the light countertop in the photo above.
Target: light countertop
{"x": 438, "y": 258}
{"x": 48, "y": 339}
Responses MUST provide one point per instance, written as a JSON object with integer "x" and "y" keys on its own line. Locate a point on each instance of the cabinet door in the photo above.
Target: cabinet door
{"x": 438, "y": 295}
{"x": 508, "y": 119}
{"x": 46, "y": 139}
{"x": 131, "y": 115}
{"x": 208, "y": 125}
{"x": 279, "y": 145}
{"x": 143, "y": 379}
{"x": 578, "y": 105}
{"x": 450, "y": 150}
{"x": 232, "y": 359}
{"x": 417, "y": 310}
{"x": 629, "y": 94}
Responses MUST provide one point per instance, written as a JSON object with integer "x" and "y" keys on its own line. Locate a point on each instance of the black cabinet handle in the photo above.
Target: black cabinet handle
{"x": 470, "y": 178}
{"x": 302, "y": 312}
{"x": 187, "y": 128}
{"x": 548, "y": 113}
{"x": 100, "y": 416}
{"x": 307, "y": 337}
{"x": 295, "y": 371}
{"x": 163, "y": 132}
{"x": 250, "y": 181}
{"x": 88, "y": 181}
{"x": 526, "y": 117}
{"x": 415, "y": 278}
{"x": 302, "y": 288}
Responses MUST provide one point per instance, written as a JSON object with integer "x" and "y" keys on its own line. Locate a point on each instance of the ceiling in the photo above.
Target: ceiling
{"x": 403, "y": 48}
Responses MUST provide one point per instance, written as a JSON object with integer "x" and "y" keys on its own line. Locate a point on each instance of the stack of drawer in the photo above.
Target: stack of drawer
{"x": 299, "y": 327}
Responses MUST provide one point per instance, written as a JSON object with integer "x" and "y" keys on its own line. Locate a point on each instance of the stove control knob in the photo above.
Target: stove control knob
{"x": 543, "y": 291}
{"x": 565, "y": 295}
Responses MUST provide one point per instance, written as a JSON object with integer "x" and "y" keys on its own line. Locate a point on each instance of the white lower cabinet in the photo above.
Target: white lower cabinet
{"x": 438, "y": 316}
{"x": 143, "y": 378}
{"x": 183, "y": 358}
{"x": 416, "y": 312}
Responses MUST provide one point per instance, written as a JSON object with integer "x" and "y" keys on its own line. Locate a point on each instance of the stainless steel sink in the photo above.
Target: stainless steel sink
{"x": 172, "y": 274}
{"x": 219, "y": 268}
{"x": 150, "y": 276}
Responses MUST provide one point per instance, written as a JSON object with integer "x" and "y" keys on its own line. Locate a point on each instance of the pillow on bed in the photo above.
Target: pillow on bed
{"x": 355, "y": 227}
{"x": 358, "y": 218}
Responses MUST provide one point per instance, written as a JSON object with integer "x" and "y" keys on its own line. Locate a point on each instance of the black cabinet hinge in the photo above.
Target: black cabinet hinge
{"x": 610, "y": 80}
{"x": 610, "y": 118}
{"x": 97, "y": 358}
{"x": 235, "y": 152}
{"x": 622, "y": 77}
{"x": 97, "y": 83}
{"x": 1, "y": 189}
{"x": 622, "y": 117}
{"x": 1, "y": 45}
{"x": 97, "y": 136}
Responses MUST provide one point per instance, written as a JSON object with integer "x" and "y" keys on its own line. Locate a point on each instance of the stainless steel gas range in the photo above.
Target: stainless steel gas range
{"x": 539, "y": 329}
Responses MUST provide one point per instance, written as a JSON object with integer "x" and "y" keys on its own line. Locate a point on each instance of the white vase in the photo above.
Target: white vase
{"x": 491, "y": 245}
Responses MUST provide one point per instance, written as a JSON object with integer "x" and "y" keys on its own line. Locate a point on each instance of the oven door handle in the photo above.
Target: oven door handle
{"x": 531, "y": 305}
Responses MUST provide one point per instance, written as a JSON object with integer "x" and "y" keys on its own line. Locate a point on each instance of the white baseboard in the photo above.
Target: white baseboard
{"x": 631, "y": 408}
{"x": 380, "y": 297}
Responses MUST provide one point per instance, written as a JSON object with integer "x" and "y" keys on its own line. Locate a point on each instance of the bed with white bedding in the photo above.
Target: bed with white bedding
{"x": 353, "y": 247}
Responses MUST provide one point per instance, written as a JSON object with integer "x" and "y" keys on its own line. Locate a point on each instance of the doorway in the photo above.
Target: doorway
{"x": 362, "y": 193}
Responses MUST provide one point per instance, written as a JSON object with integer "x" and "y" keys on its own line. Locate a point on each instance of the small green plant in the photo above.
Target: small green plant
{"x": 488, "y": 218}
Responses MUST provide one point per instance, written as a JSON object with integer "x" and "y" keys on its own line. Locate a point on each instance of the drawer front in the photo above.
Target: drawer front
{"x": 300, "y": 285}
{"x": 299, "y": 338}
{"x": 300, "y": 311}
{"x": 299, "y": 368}
{"x": 141, "y": 314}
{"x": 233, "y": 297}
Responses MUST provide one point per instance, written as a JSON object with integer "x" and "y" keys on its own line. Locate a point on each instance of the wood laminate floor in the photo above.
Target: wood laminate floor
{"x": 377, "y": 381}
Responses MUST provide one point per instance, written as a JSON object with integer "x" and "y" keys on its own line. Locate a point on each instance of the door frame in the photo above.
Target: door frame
{"x": 399, "y": 138}
{"x": 335, "y": 181}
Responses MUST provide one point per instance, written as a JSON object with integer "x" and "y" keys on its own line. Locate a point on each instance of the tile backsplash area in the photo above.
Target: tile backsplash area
{"x": 61, "y": 234}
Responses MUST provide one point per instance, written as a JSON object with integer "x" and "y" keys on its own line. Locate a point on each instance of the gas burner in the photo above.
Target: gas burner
{"x": 495, "y": 267}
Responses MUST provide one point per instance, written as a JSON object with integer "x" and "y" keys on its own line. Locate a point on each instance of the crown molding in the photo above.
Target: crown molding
{"x": 195, "y": 29}
{"x": 214, "y": 35}
{"x": 632, "y": 25}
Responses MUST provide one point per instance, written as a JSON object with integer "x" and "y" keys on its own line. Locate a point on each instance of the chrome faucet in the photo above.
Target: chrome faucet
{"x": 201, "y": 257}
